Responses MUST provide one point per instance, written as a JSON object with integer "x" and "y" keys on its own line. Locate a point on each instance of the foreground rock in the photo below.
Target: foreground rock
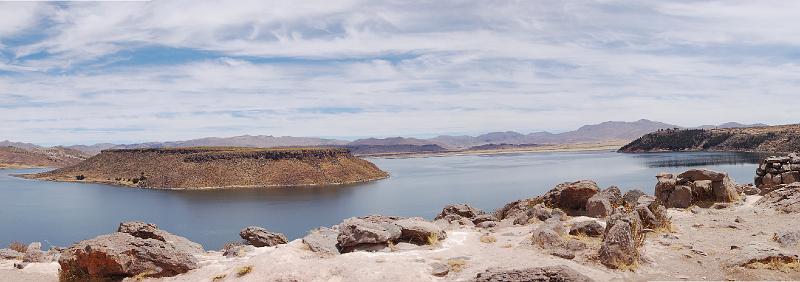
{"x": 621, "y": 242}
{"x": 549, "y": 273}
{"x": 260, "y": 237}
{"x": 150, "y": 231}
{"x": 571, "y": 197}
{"x": 695, "y": 187}
{"x": 775, "y": 171}
{"x": 119, "y": 255}
{"x": 602, "y": 204}
{"x": 322, "y": 241}
{"x": 786, "y": 199}
{"x": 10, "y": 254}
{"x": 376, "y": 232}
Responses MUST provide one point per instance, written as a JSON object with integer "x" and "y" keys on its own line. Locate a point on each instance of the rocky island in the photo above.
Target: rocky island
{"x": 782, "y": 138}
{"x": 218, "y": 167}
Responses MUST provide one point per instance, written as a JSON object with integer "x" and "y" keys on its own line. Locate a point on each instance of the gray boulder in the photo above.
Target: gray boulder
{"x": 538, "y": 274}
{"x": 631, "y": 197}
{"x": 260, "y": 237}
{"x": 681, "y": 197}
{"x": 419, "y": 231}
{"x": 371, "y": 230}
{"x": 621, "y": 241}
{"x": 703, "y": 174}
{"x": 787, "y": 238}
{"x": 786, "y": 199}
{"x": 323, "y": 241}
{"x": 602, "y": 204}
{"x": 462, "y": 210}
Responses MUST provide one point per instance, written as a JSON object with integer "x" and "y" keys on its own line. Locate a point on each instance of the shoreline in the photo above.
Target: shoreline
{"x": 551, "y": 148}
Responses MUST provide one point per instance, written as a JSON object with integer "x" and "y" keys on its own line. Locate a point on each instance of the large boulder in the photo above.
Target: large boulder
{"x": 665, "y": 185}
{"x": 589, "y": 228}
{"x": 260, "y": 237}
{"x": 461, "y": 210}
{"x": 571, "y": 197}
{"x": 621, "y": 242}
{"x": 322, "y": 241}
{"x": 631, "y": 197}
{"x": 366, "y": 231}
{"x": 681, "y": 197}
{"x": 151, "y": 231}
{"x": 602, "y": 204}
{"x": 419, "y": 231}
{"x": 786, "y": 199}
{"x": 543, "y": 274}
{"x": 119, "y": 255}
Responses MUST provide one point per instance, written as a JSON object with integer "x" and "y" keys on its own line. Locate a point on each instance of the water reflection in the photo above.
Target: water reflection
{"x": 694, "y": 159}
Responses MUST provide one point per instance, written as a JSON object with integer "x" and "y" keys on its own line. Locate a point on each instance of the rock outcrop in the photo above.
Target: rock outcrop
{"x": 602, "y": 204}
{"x": 589, "y": 228}
{"x": 785, "y": 199}
{"x": 150, "y": 231}
{"x": 376, "y": 232}
{"x": 322, "y": 241}
{"x": 543, "y": 274}
{"x": 119, "y": 255}
{"x": 775, "y": 172}
{"x": 571, "y": 197}
{"x": 695, "y": 187}
{"x": 621, "y": 242}
{"x": 260, "y": 237}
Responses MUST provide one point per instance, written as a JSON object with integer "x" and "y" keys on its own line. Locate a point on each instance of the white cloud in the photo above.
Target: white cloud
{"x": 407, "y": 67}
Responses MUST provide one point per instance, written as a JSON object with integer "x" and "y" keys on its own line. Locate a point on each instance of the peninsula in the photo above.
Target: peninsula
{"x": 218, "y": 167}
{"x": 780, "y": 139}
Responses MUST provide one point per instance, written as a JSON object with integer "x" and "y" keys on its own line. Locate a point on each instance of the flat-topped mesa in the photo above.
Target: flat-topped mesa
{"x": 774, "y": 172}
{"x": 219, "y": 167}
{"x": 747, "y": 139}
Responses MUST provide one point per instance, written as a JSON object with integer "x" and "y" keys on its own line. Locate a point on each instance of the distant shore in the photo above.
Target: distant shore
{"x": 574, "y": 147}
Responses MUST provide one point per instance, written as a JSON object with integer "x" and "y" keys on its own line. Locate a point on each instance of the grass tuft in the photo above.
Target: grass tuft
{"x": 456, "y": 265}
{"x": 244, "y": 270}
{"x": 18, "y": 246}
{"x": 219, "y": 277}
{"x": 433, "y": 239}
{"x": 488, "y": 239}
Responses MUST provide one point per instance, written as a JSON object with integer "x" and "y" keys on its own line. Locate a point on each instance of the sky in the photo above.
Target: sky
{"x": 89, "y": 72}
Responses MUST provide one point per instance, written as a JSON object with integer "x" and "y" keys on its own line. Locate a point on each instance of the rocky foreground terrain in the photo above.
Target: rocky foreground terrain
{"x": 782, "y": 138}
{"x": 699, "y": 225}
{"x": 218, "y": 167}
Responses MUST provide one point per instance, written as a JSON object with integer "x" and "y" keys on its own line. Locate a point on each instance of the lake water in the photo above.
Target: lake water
{"x": 62, "y": 213}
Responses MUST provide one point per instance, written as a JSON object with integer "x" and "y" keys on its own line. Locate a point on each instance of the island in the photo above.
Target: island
{"x": 781, "y": 138}
{"x": 218, "y": 167}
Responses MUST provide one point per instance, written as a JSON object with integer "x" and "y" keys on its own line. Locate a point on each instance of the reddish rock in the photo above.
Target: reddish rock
{"x": 571, "y": 197}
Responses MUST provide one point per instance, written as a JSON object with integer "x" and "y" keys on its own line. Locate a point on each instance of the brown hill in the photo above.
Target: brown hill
{"x": 219, "y": 167}
{"x": 782, "y": 138}
{"x": 14, "y": 157}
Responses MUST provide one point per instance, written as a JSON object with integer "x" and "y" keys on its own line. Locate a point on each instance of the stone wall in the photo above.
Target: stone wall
{"x": 774, "y": 171}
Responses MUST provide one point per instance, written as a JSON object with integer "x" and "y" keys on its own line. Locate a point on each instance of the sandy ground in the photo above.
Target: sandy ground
{"x": 698, "y": 249}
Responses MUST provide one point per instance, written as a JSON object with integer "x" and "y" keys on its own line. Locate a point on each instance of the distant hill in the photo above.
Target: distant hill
{"x": 389, "y": 141}
{"x": 39, "y": 157}
{"x": 730, "y": 125}
{"x": 26, "y": 146}
{"x": 777, "y": 139}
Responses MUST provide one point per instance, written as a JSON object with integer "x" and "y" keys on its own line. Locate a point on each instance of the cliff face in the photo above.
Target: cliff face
{"x": 215, "y": 167}
{"x": 784, "y": 138}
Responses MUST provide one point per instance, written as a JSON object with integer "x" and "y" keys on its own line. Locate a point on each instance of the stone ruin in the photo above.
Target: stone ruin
{"x": 695, "y": 187}
{"x": 775, "y": 172}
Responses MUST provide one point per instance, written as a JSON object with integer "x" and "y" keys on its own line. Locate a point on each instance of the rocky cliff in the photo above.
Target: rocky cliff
{"x": 219, "y": 167}
{"x": 783, "y": 138}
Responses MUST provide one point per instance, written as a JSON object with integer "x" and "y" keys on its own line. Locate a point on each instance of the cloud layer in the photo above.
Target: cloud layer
{"x": 82, "y": 72}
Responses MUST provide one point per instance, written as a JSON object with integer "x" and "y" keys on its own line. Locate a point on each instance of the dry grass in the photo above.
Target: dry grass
{"x": 143, "y": 275}
{"x": 433, "y": 239}
{"x": 244, "y": 270}
{"x": 507, "y": 246}
{"x": 784, "y": 264}
{"x": 18, "y": 246}
{"x": 488, "y": 239}
{"x": 219, "y": 277}
{"x": 456, "y": 265}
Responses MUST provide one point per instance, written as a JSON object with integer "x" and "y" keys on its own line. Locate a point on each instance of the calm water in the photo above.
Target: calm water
{"x": 62, "y": 213}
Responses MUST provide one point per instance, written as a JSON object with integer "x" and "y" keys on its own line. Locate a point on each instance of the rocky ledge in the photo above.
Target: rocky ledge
{"x": 219, "y": 167}
{"x": 699, "y": 225}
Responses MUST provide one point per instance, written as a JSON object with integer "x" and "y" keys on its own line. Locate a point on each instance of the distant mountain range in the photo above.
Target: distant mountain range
{"x": 602, "y": 132}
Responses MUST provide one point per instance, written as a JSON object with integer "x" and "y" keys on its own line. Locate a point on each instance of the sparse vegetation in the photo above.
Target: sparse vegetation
{"x": 456, "y": 265}
{"x": 488, "y": 239}
{"x": 18, "y": 246}
{"x": 244, "y": 270}
{"x": 782, "y": 263}
{"x": 433, "y": 239}
{"x": 80, "y": 177}
{"x": 219, "y": 277}
{"x": 143, "y": 275}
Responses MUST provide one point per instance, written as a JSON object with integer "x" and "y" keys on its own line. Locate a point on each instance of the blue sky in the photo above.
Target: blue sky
{"x": 86, "y": 72}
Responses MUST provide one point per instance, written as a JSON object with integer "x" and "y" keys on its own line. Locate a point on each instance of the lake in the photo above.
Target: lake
{"x": 60, "y": 213}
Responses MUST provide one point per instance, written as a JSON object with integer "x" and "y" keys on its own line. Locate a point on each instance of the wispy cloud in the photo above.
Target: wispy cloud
{"x": 184, "y": 69}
